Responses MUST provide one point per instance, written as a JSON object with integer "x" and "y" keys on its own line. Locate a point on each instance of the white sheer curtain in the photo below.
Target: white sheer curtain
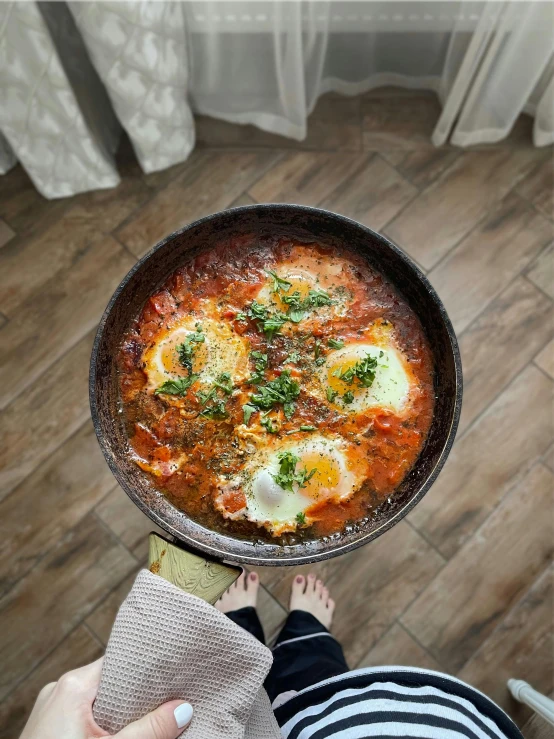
{"x": 249, "y": 61}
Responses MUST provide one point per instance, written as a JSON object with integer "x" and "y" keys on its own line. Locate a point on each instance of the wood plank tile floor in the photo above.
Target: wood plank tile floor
{"x": 464, "y": 584}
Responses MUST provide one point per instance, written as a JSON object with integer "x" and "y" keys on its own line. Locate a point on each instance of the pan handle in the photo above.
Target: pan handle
{"x": 196, "y": 574}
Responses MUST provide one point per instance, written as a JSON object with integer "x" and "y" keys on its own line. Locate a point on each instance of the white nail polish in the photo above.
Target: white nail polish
{"x": 183, "y": 715}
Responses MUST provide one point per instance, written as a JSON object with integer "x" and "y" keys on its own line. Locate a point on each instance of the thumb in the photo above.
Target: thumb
{"x": 166, "y": 722}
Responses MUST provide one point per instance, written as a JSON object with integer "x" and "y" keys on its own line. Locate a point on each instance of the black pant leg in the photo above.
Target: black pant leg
{"x": 248, "y": 618}
{"x": 304, "y": 654}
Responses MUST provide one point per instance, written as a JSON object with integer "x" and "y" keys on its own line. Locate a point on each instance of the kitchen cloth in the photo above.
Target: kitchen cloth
{"x": 167, "y": 644}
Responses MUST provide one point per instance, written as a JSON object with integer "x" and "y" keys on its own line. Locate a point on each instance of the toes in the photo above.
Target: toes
{"x": 331, "y": 606}
{"x": 324, "y": 595}
{"x": 319, "y": 588}
{"x": 311, "y": 583}
{"x": 252, "y": 581}
{"x": 298, "y": 584}
{"x": 240, "y": 582}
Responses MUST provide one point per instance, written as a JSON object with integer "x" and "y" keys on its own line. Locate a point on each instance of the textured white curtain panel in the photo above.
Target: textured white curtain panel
{"x": 73, "y": 74}
{"x": 139, "y": 49}
{"x": 40, "y": 115}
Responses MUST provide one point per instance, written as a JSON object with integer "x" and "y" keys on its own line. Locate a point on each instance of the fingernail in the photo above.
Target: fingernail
{"x": 183, "y": 715}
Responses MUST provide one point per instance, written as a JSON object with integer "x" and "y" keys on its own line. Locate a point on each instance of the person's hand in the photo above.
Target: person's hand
{"x": 63, "y": 710}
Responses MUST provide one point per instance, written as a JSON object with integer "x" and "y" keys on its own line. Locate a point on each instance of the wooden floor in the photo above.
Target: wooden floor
{"x": 464, "y": 583}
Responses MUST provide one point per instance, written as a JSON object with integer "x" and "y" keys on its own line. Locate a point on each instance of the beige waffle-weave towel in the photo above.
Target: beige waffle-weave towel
{"x": 167, "y": 644}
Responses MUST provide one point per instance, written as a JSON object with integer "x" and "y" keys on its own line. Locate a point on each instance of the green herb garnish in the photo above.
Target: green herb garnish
{"x": 301, "y": 518}
{"x": 300, "y": 428}
{"x": 269, "y": 323}
{"x": 288, "y": 475}
{"x": 363, "y": 371}
{"x": 267, "y": 423}
{"x": 282, "y": 389}
{"x": 298, "y": 307}
{"x": 260, "y": 363}
{"x": 317, "y": 298}
{"x": 319, "y": 358}
{"x": 216, "y": 411}
{"x": 331, "y": 394}
{"x": 348, "y": 397}
{"x": 296, "y": 311}
{"x": 248, "y": 410}
{"x": 185, "y": 350}
{"x": 335, "y": 343}
{"x": 293, "y": 357}
{"x": 273, "y": 325}
{"x": 278, "y": 282}
{"x": 176, "y": 387}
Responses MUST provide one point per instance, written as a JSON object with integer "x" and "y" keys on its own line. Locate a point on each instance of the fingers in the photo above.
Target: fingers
{"x": 83, "y": 681}
{"x": 166, "y": 722}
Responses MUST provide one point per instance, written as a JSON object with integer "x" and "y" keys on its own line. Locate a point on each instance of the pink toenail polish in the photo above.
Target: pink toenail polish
{"x": 252, "y": 575}
{"x": 299, "y": 578}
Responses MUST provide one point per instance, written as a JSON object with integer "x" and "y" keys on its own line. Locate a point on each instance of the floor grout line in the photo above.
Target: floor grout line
{"x": 52, "y": 453}
{"x": 112, "y": 533}
{"x": 511, "y": 609}
{"x": 543, "y": 372}
{"x": 537, "y": 287}
{"x": 426, "y": 540}
{"x": 41, "y": 661}
{"x": 93, "y": 635}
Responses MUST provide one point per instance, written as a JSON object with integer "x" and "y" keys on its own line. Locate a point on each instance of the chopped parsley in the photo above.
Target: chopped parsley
{"x": 282, "y": 389}
{"x": 288, "y": 475}
{"x": 331, "y": 394}
{"x": 363, "y": 371}
{"x": 185, "y": 350}
{"x": 335, "y": 343}
{"x": 301, "y": 518}
{"x": 267, "y": 423}
{"x": 301, "y": 428}
{"x": 177, "y": 387}
{"x": 273, "y": 325}
{"x": 317, "y": 298}
{"x": 216, "y": 409}
{"x": 319, "y": 358}
{"x": 278, "y": 282}
{"x": 348, "y": 397}
{"x": 248, "y": 411}
{"x": 293, "y": 357}
{"x": 260, "y": 364}
{"x": 269, "y": 323}
{"x": 298, "y": 307}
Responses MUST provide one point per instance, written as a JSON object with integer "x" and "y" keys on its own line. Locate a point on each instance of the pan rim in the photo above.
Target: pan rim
{"x": 211, "y": 549}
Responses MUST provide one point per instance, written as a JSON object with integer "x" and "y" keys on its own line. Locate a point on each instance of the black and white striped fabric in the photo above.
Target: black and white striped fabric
{"x": 392, "y": 702}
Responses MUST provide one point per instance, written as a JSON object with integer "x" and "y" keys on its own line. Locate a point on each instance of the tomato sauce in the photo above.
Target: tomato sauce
{"x": 187, "y": 454}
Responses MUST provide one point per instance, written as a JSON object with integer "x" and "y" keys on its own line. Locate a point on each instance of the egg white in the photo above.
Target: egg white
{"x": 269, "y": 505}
{"x": 390, "y": 389}
{"x": 221, "y": 351}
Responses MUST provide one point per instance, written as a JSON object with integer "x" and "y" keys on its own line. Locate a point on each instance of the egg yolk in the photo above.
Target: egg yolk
{"x": 300, "y": 282}
{"x": 334, "y": 381}
{"x": 326, "y": 476}
{"x": 170, "y": 357}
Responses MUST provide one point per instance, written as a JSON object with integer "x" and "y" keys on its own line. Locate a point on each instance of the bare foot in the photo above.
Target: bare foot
{"x": 242, "y": 593}
{"x": 309, "y": 594}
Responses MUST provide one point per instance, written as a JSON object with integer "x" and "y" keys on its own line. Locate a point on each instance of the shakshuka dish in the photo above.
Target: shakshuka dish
{"x": 276, "y": 390}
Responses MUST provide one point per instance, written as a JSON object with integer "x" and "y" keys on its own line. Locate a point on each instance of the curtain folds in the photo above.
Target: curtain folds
{"x": 73, "y": 74}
